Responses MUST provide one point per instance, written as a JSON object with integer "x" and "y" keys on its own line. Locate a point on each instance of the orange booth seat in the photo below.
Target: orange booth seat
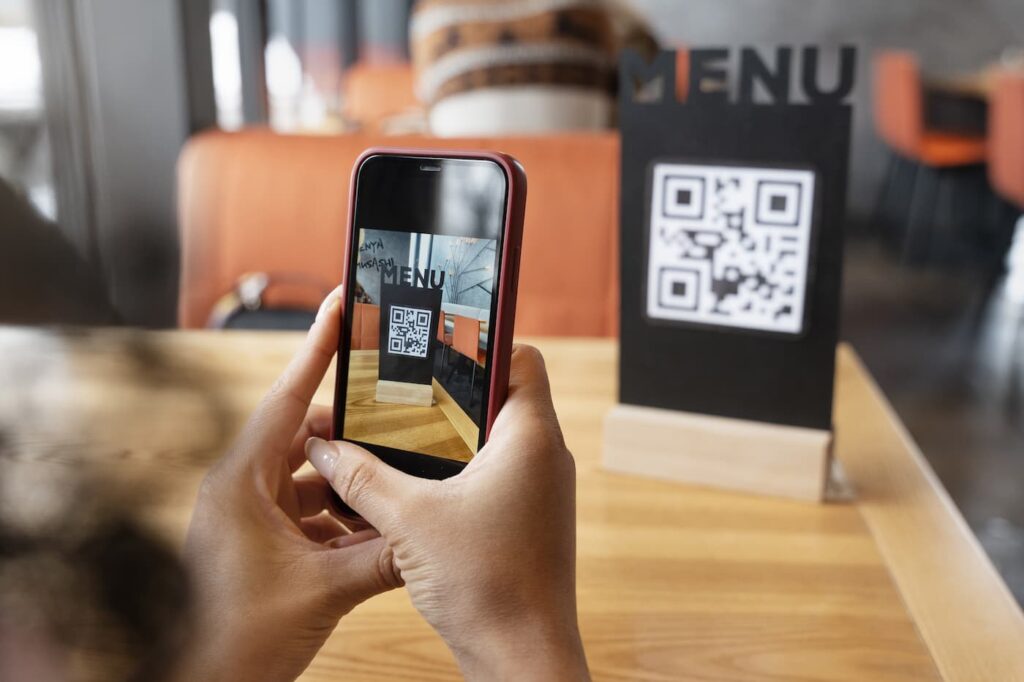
{"x": 259, "y": 202}
{"x": 365, "y": 326}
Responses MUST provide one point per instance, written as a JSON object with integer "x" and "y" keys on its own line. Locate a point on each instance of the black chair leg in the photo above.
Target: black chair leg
{"x": 922, "y": 213}
{"x": 901, "y": 201}
{"x": 881, "y": 217}
{"x": 945, "y": 244}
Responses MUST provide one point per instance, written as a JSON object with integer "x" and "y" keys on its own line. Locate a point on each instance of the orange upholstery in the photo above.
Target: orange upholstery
{"x": 259, "y": 202}
{"x": 442, "y": 335}
{"x": 366, "y": 327}
{"x": 373, "y": 92}
{"x": 944, "y": 150}
{"x": 899, "y": 117}
{"x": 1006, "y": 135}
{"x": 466, "y": 339}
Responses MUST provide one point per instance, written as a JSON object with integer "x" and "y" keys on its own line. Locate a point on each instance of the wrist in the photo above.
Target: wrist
{"x": 224, "y": 649}
{"x": 534, "y": 649}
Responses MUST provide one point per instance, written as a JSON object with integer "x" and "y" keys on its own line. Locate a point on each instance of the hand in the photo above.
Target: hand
{"x": 273, "y": 574}
{"x": 489, "y": 555}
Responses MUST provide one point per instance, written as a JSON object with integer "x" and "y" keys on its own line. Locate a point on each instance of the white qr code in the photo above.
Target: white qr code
{"x": 409, "y": 331}
{"x": 729, "y": 246}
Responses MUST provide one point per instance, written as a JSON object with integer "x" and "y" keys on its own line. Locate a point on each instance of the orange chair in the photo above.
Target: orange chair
{"x": 927, "y": 165}
{"x": 259, "y": 202}
{"x": 1006, "y": 137}
{"x": 443, "y": 336}
{"x": 466, "y": 341}
{"x": 900, "y": 116}
{"x": 1006, "y": 170}
{"x": 366, "y": 327}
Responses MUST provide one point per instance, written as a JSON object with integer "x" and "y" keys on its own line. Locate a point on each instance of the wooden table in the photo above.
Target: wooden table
{"x": 442, "y": 429}
{"x": 675, "y": 582}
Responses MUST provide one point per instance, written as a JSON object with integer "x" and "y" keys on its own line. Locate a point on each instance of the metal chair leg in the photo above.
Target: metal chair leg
{"x": 451, "y": 373}
{"x": 881, "y": 217}
{"x": 903, "y": 196}
{"x": 472, "y": 381}
{"x": 922, "y": 213}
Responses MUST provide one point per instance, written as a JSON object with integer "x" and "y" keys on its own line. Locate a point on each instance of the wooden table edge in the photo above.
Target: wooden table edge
{"x": 966, "y": 615}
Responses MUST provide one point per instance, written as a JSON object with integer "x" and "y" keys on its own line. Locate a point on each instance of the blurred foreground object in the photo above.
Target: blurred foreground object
{"x": 86, "y": 593}
{"x": 527, "y": 66}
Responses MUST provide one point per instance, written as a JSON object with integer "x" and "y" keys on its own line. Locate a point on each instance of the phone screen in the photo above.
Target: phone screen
{"x": 421, "y": 306}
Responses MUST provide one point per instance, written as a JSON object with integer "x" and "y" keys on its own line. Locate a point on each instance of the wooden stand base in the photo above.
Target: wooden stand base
{"x": 782, "y": 461}
{"x": 401, "y": 393}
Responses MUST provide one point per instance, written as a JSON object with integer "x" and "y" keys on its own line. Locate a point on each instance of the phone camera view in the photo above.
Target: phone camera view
{"x": 423, "y": 281}
{"x": 421, "y": 317}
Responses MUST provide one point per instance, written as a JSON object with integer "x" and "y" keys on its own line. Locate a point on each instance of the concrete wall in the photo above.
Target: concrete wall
{"x": 949, "y": 36}
{"x": 137, "y": 112}
{"x": 378, "y": 249}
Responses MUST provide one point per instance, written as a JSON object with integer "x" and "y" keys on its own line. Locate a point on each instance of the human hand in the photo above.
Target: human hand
{"x": 272, "y": 573}
{"x": 489, "y": 555}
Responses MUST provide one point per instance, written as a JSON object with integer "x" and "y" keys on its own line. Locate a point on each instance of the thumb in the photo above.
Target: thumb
{"x": 360, "y": 570}
{"x": 372, "y": 488}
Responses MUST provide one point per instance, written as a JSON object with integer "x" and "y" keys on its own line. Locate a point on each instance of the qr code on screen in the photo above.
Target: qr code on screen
{"x": 409, "y": 332}
{"x": 729, "y": 246}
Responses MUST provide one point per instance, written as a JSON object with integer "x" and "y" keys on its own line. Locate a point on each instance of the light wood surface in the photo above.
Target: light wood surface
{"x": 463, "y": 423}
{"x": 424, "y": 429}
{"x": 403, "y": 393}
{"x": 732, "y": 454}
{"x": 961, "y": 606}
{"x": 675, "y": 582}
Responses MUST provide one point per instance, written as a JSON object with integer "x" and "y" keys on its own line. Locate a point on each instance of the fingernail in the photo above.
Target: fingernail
{"x": 322, "y": 455}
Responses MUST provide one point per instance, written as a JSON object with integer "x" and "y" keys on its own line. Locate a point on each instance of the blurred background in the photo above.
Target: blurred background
{"x": 104, "y": 219}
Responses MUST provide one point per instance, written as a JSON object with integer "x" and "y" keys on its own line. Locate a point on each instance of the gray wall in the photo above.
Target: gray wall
{"x": 379, "y": 247}
{"x": 371, "y": 259}
{"x": 948, "y": 35}
{"x": 137, "y": 112}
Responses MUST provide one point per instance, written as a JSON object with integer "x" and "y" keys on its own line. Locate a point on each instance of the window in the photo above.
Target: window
{"x": 25, "y": 159}
{"x": 227, "y": 64}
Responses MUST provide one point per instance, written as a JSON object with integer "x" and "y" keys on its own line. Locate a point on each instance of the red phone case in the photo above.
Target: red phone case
{"x": 515, "y": 211}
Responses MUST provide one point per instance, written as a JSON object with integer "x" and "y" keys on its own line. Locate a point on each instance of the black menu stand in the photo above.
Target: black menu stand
{"x": 733, "y": 199}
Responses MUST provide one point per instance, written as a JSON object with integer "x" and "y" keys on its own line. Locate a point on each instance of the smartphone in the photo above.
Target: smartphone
{"x": 431, "y": 272}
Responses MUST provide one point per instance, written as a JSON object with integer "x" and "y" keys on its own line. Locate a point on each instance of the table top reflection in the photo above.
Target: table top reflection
{"x": 675, "y": 582}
